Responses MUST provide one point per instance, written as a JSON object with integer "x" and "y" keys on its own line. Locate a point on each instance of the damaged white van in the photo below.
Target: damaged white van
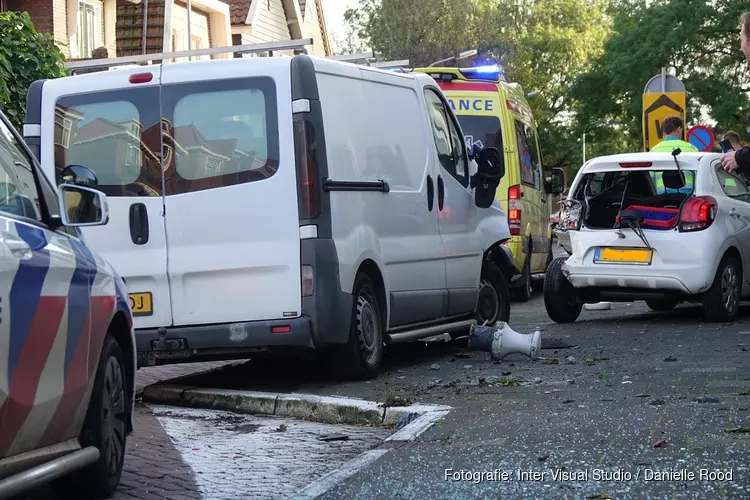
{"x": 282, "y": 202}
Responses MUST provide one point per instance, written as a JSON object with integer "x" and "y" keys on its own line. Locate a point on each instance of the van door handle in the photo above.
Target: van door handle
{"x": 430, "y": 193}
{"x": 441, "y": 192}
{"x": 17, "y": 246}
{"x": 138, "y": 223}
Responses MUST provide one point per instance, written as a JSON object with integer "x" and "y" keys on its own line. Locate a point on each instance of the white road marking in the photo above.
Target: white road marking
{"x": 327, "y": 482}
{"x": 418, "y": 426}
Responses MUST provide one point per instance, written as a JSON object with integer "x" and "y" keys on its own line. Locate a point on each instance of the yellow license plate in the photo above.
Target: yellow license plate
{"x": 141, "y": 304}
{"x": 641, "y": 256}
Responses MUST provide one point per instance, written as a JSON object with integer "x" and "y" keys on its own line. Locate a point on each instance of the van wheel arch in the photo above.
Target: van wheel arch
{"x": 371, "y": 269}
{"x": 498, "y": 256}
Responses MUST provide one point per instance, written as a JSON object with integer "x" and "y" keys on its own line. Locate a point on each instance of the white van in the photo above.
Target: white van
{"x": 266, "y": 203}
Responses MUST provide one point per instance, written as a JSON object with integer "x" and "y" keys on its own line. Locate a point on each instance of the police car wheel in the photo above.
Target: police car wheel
{"x": 560, "y": 298}
{"x": 104, "y": 427}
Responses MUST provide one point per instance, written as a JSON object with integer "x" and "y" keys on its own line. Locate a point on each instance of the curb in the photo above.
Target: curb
{"x": 330, "y": 410}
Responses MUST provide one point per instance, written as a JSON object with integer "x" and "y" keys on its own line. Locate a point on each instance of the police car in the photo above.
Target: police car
{"x": 67, "y": 356}
{"x": 657, "y": 227}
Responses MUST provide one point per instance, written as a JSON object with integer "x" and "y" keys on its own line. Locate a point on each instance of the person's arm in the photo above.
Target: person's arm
{"x": 742, "y": 157}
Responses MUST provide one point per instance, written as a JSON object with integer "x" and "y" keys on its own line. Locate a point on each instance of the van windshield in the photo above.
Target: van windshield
{"x": 485, "y": 129}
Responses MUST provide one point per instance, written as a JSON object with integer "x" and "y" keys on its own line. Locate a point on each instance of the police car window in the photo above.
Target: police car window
{"x": 18, "y": 193}
{"x": 115, "y": 134}
{"x": 221, "y": 134}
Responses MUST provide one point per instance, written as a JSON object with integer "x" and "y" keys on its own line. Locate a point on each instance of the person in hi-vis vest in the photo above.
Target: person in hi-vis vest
{"x": 672, "y": 128}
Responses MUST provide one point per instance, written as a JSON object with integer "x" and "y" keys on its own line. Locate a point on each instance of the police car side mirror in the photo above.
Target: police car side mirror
{"x": 78, "y": 175}
{"x": 82, "y": 206}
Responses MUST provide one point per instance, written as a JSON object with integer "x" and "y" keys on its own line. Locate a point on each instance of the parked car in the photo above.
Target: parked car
{"x": 67, "y": 349}
{"x": 495, "y": 113}
{"x": 654, "y": 227}
{"x": 277, "y": 203}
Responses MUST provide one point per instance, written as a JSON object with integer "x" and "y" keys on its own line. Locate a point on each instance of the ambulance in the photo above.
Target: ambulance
{"x": 494, "y": 113}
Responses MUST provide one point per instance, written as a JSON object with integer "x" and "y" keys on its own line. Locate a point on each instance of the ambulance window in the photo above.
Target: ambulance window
{"x": 115, "y": 134}
{"x": 448, "y": 141}
{"x": 528, "y": 156}
{"x": 222, "y": 133}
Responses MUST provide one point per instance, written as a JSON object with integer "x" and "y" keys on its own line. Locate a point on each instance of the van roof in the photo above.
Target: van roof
{"x": 658, "y": 161}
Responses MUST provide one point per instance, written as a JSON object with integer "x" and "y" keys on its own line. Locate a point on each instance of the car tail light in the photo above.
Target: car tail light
{"x": 307, "y": 170}
{"x": 514, "y": 209}
{"x": 141, "y": 78}
{"x": 697, "y": 213}
{"x": 308, "y": 281}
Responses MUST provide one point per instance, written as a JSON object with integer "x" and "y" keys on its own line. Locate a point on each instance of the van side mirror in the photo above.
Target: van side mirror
{"x": 557, "y": 181}
{"x": 78, "y": 175}
{"x": 490, "y": 169}
{"x": 82, "y": 206}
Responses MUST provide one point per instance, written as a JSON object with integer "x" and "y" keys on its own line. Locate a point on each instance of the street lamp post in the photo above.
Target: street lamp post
{"x": 463, "y": 55}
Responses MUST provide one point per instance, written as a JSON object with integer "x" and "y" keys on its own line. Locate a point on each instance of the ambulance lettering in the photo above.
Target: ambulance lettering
{"x": 472, "y": 105}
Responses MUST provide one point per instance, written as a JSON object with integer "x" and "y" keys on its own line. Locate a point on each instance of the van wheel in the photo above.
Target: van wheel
{"x": 104, "y": 427}
{"x": 560, "y": 298}
{"x": 662, "y": 304}
{"x": 524, "y": 292}
{"x": 538, "y": 285}
{"x": 360, "y": 358}
{"x": 494, "y": 296}
{"x": 721, "y": 302}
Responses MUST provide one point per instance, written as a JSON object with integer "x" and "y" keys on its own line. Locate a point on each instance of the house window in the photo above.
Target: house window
{"x": 89, "y": 28}
{"x": 67, "y": 126}
{"x": 133, "y": 156}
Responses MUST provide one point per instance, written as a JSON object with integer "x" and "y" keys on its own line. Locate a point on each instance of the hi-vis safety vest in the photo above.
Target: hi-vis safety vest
{"x": 668, "y": 145}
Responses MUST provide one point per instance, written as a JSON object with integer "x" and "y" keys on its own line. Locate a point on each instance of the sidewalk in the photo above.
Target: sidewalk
{"x": 153, "y": 374}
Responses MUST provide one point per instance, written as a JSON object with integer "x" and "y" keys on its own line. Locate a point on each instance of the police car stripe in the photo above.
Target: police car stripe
{"x": 79, "y": 300}
{"x": 5, "y": 318}
{"x": 26, "y": 291}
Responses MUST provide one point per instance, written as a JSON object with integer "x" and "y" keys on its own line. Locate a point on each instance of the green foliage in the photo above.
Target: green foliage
{"x": 697, "y": 41}
{"x": 25, "y": 56}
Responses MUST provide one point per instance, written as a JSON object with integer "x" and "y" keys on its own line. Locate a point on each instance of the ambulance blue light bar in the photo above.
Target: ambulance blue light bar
{"x": 490, "y": 72}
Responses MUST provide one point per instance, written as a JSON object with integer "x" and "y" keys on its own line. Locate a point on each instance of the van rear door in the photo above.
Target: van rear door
{"x": 231, "y": 205}
{"x": 110, "y": 123}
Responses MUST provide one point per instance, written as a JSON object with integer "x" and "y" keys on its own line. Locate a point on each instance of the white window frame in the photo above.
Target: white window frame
{"x": 67, "y": 128}
{"x": 96, "y": 39}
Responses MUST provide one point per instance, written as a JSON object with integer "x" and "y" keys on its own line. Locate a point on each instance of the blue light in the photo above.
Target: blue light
{"x": 487, "y": 69}
{"x": 488, "y": 72}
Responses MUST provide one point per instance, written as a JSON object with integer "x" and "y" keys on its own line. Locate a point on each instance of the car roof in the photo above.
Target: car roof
{"x": 660, "y": 161}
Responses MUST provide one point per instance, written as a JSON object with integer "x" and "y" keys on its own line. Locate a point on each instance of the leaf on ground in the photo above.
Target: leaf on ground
{"x": 738, "y": 430}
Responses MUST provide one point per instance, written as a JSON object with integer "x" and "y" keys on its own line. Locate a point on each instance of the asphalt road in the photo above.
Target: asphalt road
{"x": 644, "y": 394}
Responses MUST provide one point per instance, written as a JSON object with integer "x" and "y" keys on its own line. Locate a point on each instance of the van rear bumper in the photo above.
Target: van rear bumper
{"x": 221, "y": 341}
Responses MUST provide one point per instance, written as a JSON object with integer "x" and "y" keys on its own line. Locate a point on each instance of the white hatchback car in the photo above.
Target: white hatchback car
{"x": 657, "y": 227}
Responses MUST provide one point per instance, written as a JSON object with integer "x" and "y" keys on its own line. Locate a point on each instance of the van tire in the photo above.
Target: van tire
{"x": 104, "y": 427}
{"x": 494, "y": 293}
{"x": 523, "y": 293}
{"x": 361, "y": 356}
{"x": 538, "y": 285}
{"x": 721, "y": 303}
{"x": 662, "y": 304}
{"x": 559, "y": 294}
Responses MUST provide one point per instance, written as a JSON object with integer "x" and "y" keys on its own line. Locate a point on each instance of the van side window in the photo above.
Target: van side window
{"x": 220, "y": 133}
{"x": 115, "y": 134}
{"x": 528, "y": 155}
{"x": 18, "y": 193}
{"x": 450, "y": 145}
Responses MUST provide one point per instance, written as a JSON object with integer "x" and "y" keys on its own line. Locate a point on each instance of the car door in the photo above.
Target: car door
{"x": 113, "y": 128}
{"x": 457, "y": 216}
{"x": 232, "y": 215}
{"x": 736, "y": 211}
{"x": 44, "y": 306}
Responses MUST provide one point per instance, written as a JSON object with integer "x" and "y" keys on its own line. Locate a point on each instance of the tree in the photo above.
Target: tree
{"x": 542, "y": 44}
{"x": 695, "y": 40}
{"x": 25, "y": 56}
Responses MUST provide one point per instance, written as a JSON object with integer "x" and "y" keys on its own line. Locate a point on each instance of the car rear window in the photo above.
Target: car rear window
{"x": 650, "y": 182}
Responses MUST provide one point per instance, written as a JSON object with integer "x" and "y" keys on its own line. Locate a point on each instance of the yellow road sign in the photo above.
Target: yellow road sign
{"x": 656, "y": 107}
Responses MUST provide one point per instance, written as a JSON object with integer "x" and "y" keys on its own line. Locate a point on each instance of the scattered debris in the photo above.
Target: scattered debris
{"x": 570, "y": 360}
{"x": 537, "y": 380}
{"x": 599, "y": 306}
{"x": 556, "y": 344}
{"x": 627, "y": 382}
{"x": 670, "y": 359}
{"x": 707, "y": 399}
{"x": 551, "y": 362}
{"x": 492, "y": 379}
{"x": 743, "y": 348}
{"x": 505, "y": 374}
{"x": 281, "y": 428}
{"x": 461, "y": 355}
{"x": 603, "y": 494}
{"x": 501, "y": 340}
{"x": 435, "y": 367}
{"x": 738, "y": 430}
{"x": 396, "y": 400}
{"x": 476, "y": 381}
{"x": 642, "y": 395}
{"x": 542, "y": 458}
{"x": 567, "y": 401}
{"x": 333, "y": 437}
{"x": 589, "y": 361}
{"x": 406, "y": 419}
{"x": 642, "y": 463}
{"x": 657, "y": 402}
{"x": 467, "y": 367}
{"x": 660, "y": 444}
{"x": 570, "y": 381}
